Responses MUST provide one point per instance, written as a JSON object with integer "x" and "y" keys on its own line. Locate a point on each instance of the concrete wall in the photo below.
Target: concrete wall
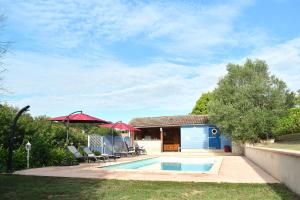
{"x": 284, "y": 165}
{"x": 151, "y": 146}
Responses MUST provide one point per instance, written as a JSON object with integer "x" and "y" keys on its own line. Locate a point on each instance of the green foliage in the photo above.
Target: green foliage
{"x": 297, "y": 99}
{"x": 46, "y": 138}
{"x": 97, "y": 153}
{"x": 97, "y": 130}
{"x": 61, "y": 157}
{"x": 288, "y": 124}
{"x": 248, "y": 102}
{"x": 7, "y": 114}
{"x": 19, "y": 158}
{"x": 201, "y": 105}
{"x": 3, "y": 158}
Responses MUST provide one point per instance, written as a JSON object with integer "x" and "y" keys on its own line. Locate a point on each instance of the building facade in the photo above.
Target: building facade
{"x": 185, "y": 133}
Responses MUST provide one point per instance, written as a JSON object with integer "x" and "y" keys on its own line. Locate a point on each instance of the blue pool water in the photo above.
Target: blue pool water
{"x": 201, "y": 167}
{"x": 164, "y": 165}
{"x": 133, "y": 165}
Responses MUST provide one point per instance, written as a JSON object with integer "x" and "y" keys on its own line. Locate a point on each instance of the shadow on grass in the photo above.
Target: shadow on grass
{"x": 33, "y": 187}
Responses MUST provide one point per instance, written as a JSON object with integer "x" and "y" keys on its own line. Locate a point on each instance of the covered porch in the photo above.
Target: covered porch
{"x": 159, "y": 139}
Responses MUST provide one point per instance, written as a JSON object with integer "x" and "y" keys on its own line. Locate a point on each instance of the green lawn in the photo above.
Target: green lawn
{"x": 288, "y": 146}
{"x": 29, "y": 187}
{"x": 289, "y": 142}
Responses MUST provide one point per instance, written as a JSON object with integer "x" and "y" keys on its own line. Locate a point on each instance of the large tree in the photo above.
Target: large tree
{"x": 201, "y": 105}
{"x": 248, "y": 101}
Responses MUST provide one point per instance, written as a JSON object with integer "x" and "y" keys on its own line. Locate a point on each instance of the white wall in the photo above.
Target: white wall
{"x": 282, "y": 164}
{"x": 151, "y": 146}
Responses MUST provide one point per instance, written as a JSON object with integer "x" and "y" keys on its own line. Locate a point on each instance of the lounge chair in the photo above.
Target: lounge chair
{"x": 120, "y": 153}
{"x": 105, "y": 155}
{"x": 130, "y": 150}
{"x": 76, "y": 153}
{"x": 91, "y": 155}
{"x": 139, "y": 150}
{"x": 110, "y": 156}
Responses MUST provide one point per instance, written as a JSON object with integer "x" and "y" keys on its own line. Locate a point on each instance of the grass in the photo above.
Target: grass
{"x": 283, "y": 145}
{"x": 30, "y": 187}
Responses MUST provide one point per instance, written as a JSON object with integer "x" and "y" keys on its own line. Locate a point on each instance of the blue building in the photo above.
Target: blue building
{"x": 185, "y": 133}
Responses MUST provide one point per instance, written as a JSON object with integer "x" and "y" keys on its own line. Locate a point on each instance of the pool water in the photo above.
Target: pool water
{"x": 169, "y": 164}
{"x": 201, "y": 167}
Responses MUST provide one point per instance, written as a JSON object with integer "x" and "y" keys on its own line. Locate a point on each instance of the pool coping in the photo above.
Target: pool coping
{"x": 214, "y": 169}
{"x": 234, "y": 169}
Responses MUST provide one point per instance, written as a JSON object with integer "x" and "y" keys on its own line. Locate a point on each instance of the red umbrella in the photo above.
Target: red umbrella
{"x": 79, "y": 118}
{"x": 120, "y": 126}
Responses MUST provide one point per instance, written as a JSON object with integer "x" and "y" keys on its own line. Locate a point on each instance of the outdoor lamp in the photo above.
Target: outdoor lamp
{"x": 28, "y": 148}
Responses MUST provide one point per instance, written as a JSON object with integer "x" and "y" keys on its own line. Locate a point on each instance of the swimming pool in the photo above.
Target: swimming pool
{"x": 167, "y": 164}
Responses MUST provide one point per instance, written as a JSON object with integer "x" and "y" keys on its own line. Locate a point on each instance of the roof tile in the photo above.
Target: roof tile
{"x": 164, "y": 121}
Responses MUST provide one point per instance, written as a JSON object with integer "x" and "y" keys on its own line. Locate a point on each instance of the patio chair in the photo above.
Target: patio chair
{"x": 91, "y": 155}
{"x": 139, "y": 150}
{"x": 120, "y": 153}
{"x": 130, "y": 150}
{"x": 76, "y": 153}
{"x": 110, "y": 156}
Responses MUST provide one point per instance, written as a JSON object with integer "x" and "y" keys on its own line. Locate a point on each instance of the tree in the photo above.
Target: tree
{"x": 288, "y": 124}
{"x": 201, "y": 105}
{"x": 297, "y": 99}
{"x": 248, "y": 101}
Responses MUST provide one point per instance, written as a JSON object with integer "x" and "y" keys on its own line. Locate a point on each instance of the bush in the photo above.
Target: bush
{"x": 20, "y": 158}
{"x": 289, "y": 124}
{"x": 48, "y": 140}
{"x": 97, "y": 153}
{"x": 3, "y": 156}
{"x": 61, "y": 157}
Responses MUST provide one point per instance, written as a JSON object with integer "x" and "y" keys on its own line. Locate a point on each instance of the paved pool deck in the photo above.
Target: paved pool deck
{"x": 233, "y": 169}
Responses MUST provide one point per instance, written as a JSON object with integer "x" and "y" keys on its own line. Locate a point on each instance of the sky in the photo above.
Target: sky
{"x": 117, "y": 60}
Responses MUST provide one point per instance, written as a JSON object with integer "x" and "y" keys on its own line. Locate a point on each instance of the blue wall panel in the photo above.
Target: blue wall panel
{"x": 225, "y": 141}
{"x": 197, "y": 137}
{"x": 194, "y": 137}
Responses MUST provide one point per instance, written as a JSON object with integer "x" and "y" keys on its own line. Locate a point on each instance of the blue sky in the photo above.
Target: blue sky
{"x": 122, "y": 59}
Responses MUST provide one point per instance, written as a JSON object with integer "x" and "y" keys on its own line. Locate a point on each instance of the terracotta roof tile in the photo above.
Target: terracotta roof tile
{"x": 164, "y": 121}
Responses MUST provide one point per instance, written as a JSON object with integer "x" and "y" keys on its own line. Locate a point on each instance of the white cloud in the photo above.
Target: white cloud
{"x": 97, "y": 82}
{"x": 284, "y": 61}
{"x": 182, "y": 28}
{"x": 56, "y": 85}
{"x": 51, "y": 85}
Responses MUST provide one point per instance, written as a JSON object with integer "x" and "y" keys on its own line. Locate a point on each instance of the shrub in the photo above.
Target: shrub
{"x": 97, "y": 153}
{"x": 20, "y": 158}
{"x": 289, "y": 124}
{"x": 3, "y": 156}
{"x": 61, "y": 157}
{"x": 48, "y": 140}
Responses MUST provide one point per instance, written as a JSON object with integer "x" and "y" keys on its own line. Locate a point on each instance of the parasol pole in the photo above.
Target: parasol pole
{"x": 67, "y": 119}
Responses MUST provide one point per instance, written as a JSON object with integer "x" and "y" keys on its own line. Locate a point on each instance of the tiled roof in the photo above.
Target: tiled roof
{"x": 169, "y": 121}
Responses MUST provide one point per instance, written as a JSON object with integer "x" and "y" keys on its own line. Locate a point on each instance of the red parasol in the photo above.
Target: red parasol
{"x": 120, "y": 126}
{"x": 79, "y": 118}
